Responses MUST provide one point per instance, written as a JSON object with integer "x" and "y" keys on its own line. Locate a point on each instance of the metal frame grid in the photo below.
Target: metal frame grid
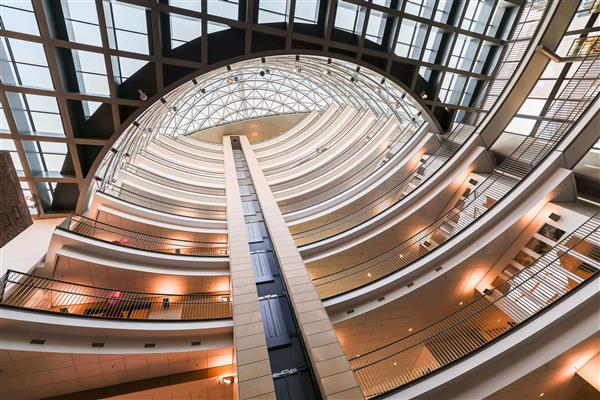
{"x": 95, "y": 61}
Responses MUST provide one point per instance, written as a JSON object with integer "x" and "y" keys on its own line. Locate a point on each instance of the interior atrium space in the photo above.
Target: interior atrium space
{"x": 300, "y": 199}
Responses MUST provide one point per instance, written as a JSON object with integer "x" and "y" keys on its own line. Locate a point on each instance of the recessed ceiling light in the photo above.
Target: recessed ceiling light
{"x": 542, "y": 394}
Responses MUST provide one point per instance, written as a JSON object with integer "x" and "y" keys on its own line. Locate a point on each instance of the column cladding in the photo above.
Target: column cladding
{"x": 291, "y": 369}
{"x": 250, "y": 347}
{"x": 330, "y": 365}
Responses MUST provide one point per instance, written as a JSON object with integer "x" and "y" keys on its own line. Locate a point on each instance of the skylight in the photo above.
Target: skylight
{"x": 127, "y": 27}
{"x": 223, "y": 8}
{"x": 18, "y": 16}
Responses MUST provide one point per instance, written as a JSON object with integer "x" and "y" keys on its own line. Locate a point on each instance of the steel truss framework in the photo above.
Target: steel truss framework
{"x": 438, "y": 50}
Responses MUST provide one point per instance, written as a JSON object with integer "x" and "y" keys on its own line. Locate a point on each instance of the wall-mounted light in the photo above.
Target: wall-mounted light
{"x": 143, "y": 95}
{"x": 226, "y": 380}
{"x": 225, "y": 299}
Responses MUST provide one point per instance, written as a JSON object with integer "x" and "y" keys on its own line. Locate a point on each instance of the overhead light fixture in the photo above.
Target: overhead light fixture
{"x": 229, "y": 80}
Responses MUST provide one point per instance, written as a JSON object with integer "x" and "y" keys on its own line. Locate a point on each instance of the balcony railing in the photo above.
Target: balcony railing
{"x": 511, "y": 57}
{"x": 573, "y": 261}
{"x": 171, "y": 164}
{"x": 188, "y": 154}
{"x": 274, "y": 149}
{"x": 169, "y": 182}
{"x": 142, "y": 241}
{"x": 163, "y": 205}
{"x": 353, "y": 147}
{"x": 30, "y": 292}
{"x": 331, "y": 142}
{"x": 576, "y": 95}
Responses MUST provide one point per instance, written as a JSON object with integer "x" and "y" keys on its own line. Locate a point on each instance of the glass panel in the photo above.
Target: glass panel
{"x": 91, "y": 72}
{"x": 82, "y": 22}
{"x": 224, "y": 8}
{"x": 184, "y": 29}
{"x": 306, "y": 11}
{"x": 271, "y": 11}
{"x": 127, "y": 27}
{"x": 376, "y": 26}
{"x": 347, "y": 17}
{"x": 18, "y": 16}
{"x": 189, "y": 5}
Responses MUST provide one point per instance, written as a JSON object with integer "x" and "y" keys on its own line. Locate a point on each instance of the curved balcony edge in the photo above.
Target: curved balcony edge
{"x": 407, "y": 206}
{"x": 62, "y": 238}
{"x": 448, "y": 254}
{"x": 531, "y": 344}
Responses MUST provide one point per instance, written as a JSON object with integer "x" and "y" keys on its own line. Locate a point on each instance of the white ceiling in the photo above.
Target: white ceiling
{"x": 35, "y": 375}
{"x": 257, "y": 130}
{"x": 558, "y": 378}
{"x": 86, "y": 273}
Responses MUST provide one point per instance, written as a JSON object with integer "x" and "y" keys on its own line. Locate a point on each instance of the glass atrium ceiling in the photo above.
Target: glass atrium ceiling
{"x": 63, "y": 60}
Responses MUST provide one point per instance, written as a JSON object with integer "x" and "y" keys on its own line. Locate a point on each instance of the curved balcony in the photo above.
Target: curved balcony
{"x": 371, "y": 166}
{"x": 461, "y": 135}
{"x": 294, "y": 161}
{"x": 569, "y": 105}
{"x": 30, "y": 292}
{"x": 358, "y": 154}
{"x": 571, "y": 263}
{"x": 200, "y": 144}
{"x": 302, "y": 128}
{"x": 316, "y": 131}
{"x": 163, "y": 205}
{"x": 173, "y": 188}
{"x": 152, "y": 162}
{"x": 162, "y": 145}
{"x": 97, "y": 230}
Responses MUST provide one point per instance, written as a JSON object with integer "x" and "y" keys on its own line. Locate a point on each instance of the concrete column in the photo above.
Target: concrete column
{"x": 331, "y": 367}
{"x": 254, "y": 378}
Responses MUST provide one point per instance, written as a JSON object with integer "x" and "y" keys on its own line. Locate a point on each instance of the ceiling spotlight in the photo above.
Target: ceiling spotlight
{"x": 143, "y": 96}
{"x": 229, "y": 80}
{"x": 262, "y": 73}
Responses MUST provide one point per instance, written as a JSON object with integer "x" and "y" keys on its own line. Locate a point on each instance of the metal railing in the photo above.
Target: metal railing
{"x": 124, "y": 237}
{"x": 164, "y": 205}
{"x": 30, "y": 292}
{"x": 371, "y": 166}
{"x": 511, "y": 57}
{"x": 573, "y": 261}
{"x": 331, "y": 142}
{"x": 575, "y": 96}
{"x": 168, "y": 182}
{"x": 171, "y": 164}
{"x": 317, "y": 126}
{"x": 352, "y": 148}
{"x": 188, "y": 154}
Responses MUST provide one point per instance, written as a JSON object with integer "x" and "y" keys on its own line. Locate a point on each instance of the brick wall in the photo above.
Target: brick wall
{"x": 14, "y": 215}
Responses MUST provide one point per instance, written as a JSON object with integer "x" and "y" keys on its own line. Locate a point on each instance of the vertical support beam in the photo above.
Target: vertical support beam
{"x": 330, "y": 364}
{"x": 250, "y": 346}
